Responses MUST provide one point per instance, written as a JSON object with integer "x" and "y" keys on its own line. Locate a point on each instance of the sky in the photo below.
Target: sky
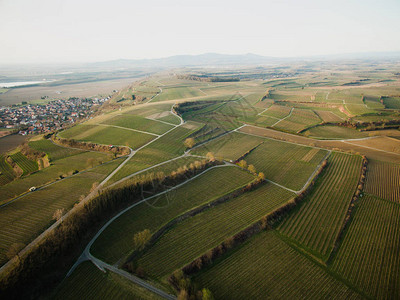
{"x": 64, "y": 31}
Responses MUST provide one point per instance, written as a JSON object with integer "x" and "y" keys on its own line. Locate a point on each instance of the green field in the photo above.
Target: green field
{"x": 61, "y": 167}
{"x": 277, "y": 111}
{"x": 194, "y": 236}
{"x": 53, "y": 151}
{"x": 170, "y": 119}
{"x": 285, "y": 163}
{"x": 267, "y": 268}
{"x": 383, "y": 180}
{"x": 28, "y": 166}
{"x": 391, "y": 102}
{"x": 6, "y": 172}
{"x": 24, "y": 219}
{"x": 316, "y": 224}
{"x": 107, "y": 135}
{"x": 369, "y": 255}
{"x": 230, "y": 146}
{"x": 88, "y": 282}
{"x": 299, "y": 119}
{"x": 334, "y": 132}
{"x": 116, "y": 240}
{"x": 172, "y": 93}
{"x": 139, "y": 123}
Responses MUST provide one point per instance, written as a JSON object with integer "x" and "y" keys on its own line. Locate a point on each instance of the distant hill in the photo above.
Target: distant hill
{"x": 208, "y": 59}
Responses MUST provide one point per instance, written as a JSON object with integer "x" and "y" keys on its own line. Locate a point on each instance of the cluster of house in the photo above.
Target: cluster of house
{"x": 54, "y": 115}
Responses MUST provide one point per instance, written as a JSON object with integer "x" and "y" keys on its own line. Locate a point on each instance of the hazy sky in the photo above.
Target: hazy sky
{"x": 39, "y": 31}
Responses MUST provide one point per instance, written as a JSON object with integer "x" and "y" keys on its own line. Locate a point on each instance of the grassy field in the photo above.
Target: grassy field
{"x": 61, "y": 167}
{"x": 383, "y": 180}
{"x": 24, "y": 219}
{"x": 230, "y": 146}
{"x": 391, "y": 102}
{"x": 139, "y": 123}
{"x": 277, "y": 111}
{"x": 170, "y": 118}
{"x": 194, "y": 236}
{"x": 116, "y": 240}
{"x": 107, "y": 135}
{"x": 369, "y": 255}
{"x": 316, "y": 224}
{"x": 6, "y": 172}
{"x": 267, "y": 268}
{"x": 53, "y": 151}
{"x": 328, "y": 116}
{"x": 172, "y": 93}
{"x": 287, "y": 164}
{"x": 334, "y": 132}
{"x": 88, "y": 282}
{"x": 299, "y": 119}
{"x": 27, "y": 166}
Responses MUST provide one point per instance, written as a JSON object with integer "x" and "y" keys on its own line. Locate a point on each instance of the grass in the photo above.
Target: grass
{"x": 139, "y": 123}
{"x": 316, "y": 224}
{"x": 334, "y": 132}
{"x": 192, "y": 237}
{"x": 277, "y": 111}
{"x": 267, "y": 268}
{"x": 328, "y": 116}
{"x": 285, "y": 163}
{"x": 6, "y": 172}
{"x": 170, "y": 119}
{"x": 88, "y": 282}
{"x": 298, "y": 120}
{"x": 61, "y": 167}
{"x": 107, "y": 135}
{"x": 172, "y": 93}
{"x": 116, "y": 241}
{"x": 383, "y": 180}
{"x": 391, "y": 102}
{"x": 25, "y": 218}
{"x": 369, "y": 254}
{"x": 28, "y": 166}
{"x": 230, "y": 146}
{"x": 53, "y": 151}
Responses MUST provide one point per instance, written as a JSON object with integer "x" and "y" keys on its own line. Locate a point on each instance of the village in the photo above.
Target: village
{"x": 42, "y": 118}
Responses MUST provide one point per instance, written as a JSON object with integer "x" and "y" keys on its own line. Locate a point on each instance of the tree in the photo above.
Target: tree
{"x": 189, "y": 142}
{"x": 252, "y": 169}
{"x": 141, "y": 239}
{"x": 14, "y": 250}
{"x": 210, "y": 156}
{"x": 242, "y": 164}
{"x": 58, "y": 214}
{"x": 207, "y": 295}
{"x": 261, "y": 176}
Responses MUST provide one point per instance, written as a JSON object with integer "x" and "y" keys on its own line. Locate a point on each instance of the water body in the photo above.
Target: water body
{"x": 10, "y": 142}
{"x": 20, "y": 83}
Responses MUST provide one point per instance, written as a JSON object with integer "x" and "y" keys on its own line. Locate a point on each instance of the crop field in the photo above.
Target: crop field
{"x": 298, "y": 119}
{"x": 230, "y": 146}
{"x": 172, "y": 93}
{"x": 116, "y": 240}
{"x": 369, "y": 254}
{"x": 358, "y": 109}
{"x": 285, "y": 163}
{"x": 382, "y": 142}
{"x": 194, "y": 236}
{"x": 24, "y": 219}
{"x": 328, "y": 116}
{"x": 334, "y": 132}
{"x": 61, "y": 167}
{"x": 88, "y": 282}
{"x": 153, "y": 111}
{"x": 53, "y": 151}
{"x": 391, "y": 102}
{"x": 316, "y": 224}
{"x": 267, "y": 268}
{"x": 373, "y": 102}
{"x": 139, "y": 123}
{"x": 383, "y": 180}
{"x": 6, "y": 171}
{"x": 27, "y": 166}
{"x": 277, "y": 111}
{"x": 170, "y": 118}
{"x": 107, "y": 135}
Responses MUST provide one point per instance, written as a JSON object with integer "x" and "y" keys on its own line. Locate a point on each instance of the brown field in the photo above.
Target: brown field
{"x": 326, "y": 144}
